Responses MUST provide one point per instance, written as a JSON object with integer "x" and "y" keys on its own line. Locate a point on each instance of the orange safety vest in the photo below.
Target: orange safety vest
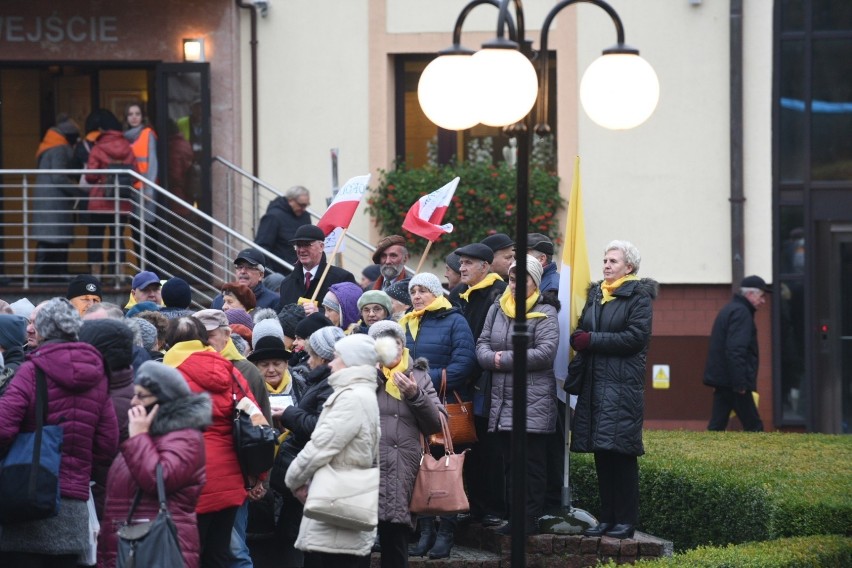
{"x": 140, "y": 150}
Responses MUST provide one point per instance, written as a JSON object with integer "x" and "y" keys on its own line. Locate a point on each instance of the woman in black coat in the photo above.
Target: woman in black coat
{"x": 611, "y": 342}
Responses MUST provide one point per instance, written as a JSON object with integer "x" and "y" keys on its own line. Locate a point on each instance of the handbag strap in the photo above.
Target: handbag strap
{"x": 234, "y": 381}
{"x": 41, "y": 416}
{"x": 442, "y": 390}
{"x": 448, "y": 439}
{"x": 161, "y": 494}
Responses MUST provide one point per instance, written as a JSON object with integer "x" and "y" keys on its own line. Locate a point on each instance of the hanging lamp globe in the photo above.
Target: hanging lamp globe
{"x": 506, "y": 83}
{"x": 619, "y": 90}
{"x": 447, "y": 93}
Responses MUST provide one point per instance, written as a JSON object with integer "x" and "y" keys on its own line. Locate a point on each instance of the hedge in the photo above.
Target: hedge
{"x": 719, "y": 488}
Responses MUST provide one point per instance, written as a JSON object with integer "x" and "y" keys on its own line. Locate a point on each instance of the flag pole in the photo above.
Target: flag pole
{"x": 328, "y": 265}
{"x": 423, "y": 257}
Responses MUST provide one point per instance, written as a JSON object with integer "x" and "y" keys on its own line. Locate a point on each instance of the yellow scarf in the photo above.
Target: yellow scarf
{"x": 230, "y": 352}
{"x": 608, "y": 289}
{"x": 412, "y": 318}
{"x": 489, "y": 279}
{"x": 178, "y": 354}
{"x": 507, "y": 304}
{"x": 402, "y": 366}
{"x": 282, "y": 386}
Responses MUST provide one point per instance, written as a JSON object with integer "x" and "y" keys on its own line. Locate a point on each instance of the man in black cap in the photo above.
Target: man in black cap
{"x": 391, "y": 256}
{"x": 303, "y": 281}
{"x": 84, "y": 290}
{"x": 504, "y": 253}
{"x": 249, "y": 268}
{"x": 733, "y": 358}
{"x": 541, "y": 247}
{"x": 478, "y": 290}
{"x": 278, "y": 226}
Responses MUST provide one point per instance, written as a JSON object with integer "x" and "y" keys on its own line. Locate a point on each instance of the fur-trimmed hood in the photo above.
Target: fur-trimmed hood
{"x": 193, "y": 411}
{"x": 647, "y": 286}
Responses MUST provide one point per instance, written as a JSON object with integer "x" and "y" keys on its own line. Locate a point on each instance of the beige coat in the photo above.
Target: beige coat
{"x": 346, "y": 436}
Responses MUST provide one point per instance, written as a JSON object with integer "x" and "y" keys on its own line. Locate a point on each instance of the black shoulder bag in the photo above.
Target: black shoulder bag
{"x": 255, "y": 445}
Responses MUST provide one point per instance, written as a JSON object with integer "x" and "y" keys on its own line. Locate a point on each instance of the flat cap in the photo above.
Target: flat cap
{"x": 540, "y": 243}
{"x": 755, "y": 282}
{"x": 477, "y": 250}
{"x": 498, "y": 241}
{"x": 385, "y": 244}
{"x": 307, "y": 233}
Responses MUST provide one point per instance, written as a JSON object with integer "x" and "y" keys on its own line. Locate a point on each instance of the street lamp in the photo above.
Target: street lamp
{"x": 498, "y": 86}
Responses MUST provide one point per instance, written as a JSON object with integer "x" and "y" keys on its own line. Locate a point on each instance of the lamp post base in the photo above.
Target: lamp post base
{"x": 566, "y": 521}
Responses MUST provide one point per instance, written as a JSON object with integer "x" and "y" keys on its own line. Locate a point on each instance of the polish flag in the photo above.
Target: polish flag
{"x": 425, "y": 215}
{"x": 342, "y": 209}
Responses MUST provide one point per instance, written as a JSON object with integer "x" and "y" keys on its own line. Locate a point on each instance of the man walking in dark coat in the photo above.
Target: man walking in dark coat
{"x": 278, "y": 226}
{"x": 733, "y": 358}
{"x": 303, "y": 281}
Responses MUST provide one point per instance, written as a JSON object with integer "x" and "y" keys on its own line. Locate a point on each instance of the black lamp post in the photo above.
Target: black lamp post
{"x": 498, "y": 86}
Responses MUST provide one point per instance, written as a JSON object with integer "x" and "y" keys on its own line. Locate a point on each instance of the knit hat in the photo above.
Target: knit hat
{"x": 212, "y": 319}
{"x": 478, "y": 251}
{"x": 357, "y": 349}
{"x": 372, "y": 272}
{"x": 399, "y": 292}
{"x": 176, "y": 293}
{"x": 261, "y": 314}
{"x": 385, "y": 244}
{"x": 387, "y": 328}
{"x": 348, "y": 294}
{"x": 164, "y": 382}
{"x": 13, "y": 331}
{"x": 428, "y": 281}
{"x": 498, "y": 241}
{"x": 84, "y": 285}
{"x": 375, "y": 297}
{"x": 242, "y": 331}
{"x": 58, "y": 319}
{"x": 534, "y": 269}
{"x": 310, "y": 324}
{"x": 142, "y": 307}
{"x": 22, "y": 307}
{"x": 266, "y": 328}
{"x": 242, "y": 293}
{"x": 147, "y": 332}
{"x": 269, "y": 347}
{"x": 323, "y": 340}
{"x": 289, "y": 316}
{"x": 454, "y": 262}
{"x": 113, "y": 339}
{"x": 240, "y": 316}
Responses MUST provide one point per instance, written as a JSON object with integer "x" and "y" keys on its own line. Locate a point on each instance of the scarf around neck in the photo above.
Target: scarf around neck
{"x": 489, "y": 279}
{"x": 401, "y": 367}
{"x": 179, "y": 353}
{"x": 412, "y": 318}
{"x": 608, "y": 289}
{"x": 282, "y": 387}
{"x": 230, "y": 352}
{"x": 507, "y": 304}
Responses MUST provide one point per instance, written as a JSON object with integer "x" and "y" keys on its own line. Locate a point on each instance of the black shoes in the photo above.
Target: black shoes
{"x": 427, "y": 538}
{"x": 621, "y": 531}
{"x": 598, "y": 530}
{"x": 491, "y": 521}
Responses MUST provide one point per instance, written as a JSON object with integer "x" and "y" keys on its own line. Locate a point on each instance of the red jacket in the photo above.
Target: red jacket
{"x": 175, "y": 441}
{"x": 207, "y": 371}
{"x": 110, "y": 149}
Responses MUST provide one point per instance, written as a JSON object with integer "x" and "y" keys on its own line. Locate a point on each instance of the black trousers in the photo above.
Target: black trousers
{"x": 327, "y": 560}
{"x": 485, "y": 490}
{"x": 536, "y": 469}
{"x": 556, "y": 448}
{"x": 33, "y": 560}
{"x": 724, "y": 401}
{"x": 618, "y": 487}
{"x": 214, "y": 531}
{"x": 394, "y": 540}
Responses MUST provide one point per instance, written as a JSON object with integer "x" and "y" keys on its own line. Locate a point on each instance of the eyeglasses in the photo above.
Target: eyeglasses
{"x": 246, "y": 267}
{"x": 303, "y": 205}
{"x": 140, "y": 396}
{"x": 372, "y": 310}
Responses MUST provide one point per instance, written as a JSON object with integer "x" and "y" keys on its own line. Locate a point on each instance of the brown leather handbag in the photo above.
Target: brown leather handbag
{"x": 460, "y": 415}
{"x": 439, "y": 487}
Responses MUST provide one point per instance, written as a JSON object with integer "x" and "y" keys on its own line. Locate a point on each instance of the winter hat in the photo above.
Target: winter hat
{"x": 176, "y": 293}
{"x": 399, "y": 292}
{"x": 289, "y": 316}
{"x": 58, "y": 319}
{"x": 142, "y": 307}
{"x": 240, "y": 316}
{"x": 358, "y": 349}
{"x": 310, "y": 324}
{"x": 323, "y": 340}
{"x": 478, "y": 251}
{"x": 242, "y": 331}
{"x": 242, "y": 293}
{"x": 454, "y": 262}
{"x": 498, "y": 241}
{"x": 212, "y": 319}
{"x": 5, "y": 308}
{"x": 269, "y": 347}
{"x": 348, "y": 294}
{"x": 147, "y": 332}
{"x": 66, "y": 125}
{"x": 266, "y": 328}
{"x": 13, "y": 331}
{"x": 540, "y": 243}
{"x": 164, "y": 382}
{"x": 375, "y": 297}
{"x": 385, "y": 244}
{"x": 84, "y": 285}
{"x": 22, "y": 307}
{"x": 372, "y": 272}
{"x": 261, "y": 314}
{"x": 534, "y": 269}
{"x": 112, "y": 338}
{"x": 428, "y": 281}
{"x": 387, "y": 328}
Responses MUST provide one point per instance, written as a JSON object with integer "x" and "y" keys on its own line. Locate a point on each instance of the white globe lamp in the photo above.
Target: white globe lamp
{"x": 506, "y": 84}
{"x": 619, "y": 91}
{"x": 447, "y": 94}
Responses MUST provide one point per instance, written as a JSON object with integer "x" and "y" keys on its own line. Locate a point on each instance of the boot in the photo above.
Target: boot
{"x": 427, "y": 537}
{"x": 444, "y": 542}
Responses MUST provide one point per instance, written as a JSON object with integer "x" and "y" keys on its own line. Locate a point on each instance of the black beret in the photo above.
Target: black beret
{"x": 477, "y": 250}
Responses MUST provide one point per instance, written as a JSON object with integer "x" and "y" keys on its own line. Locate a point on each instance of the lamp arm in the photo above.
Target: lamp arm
{"x": 541, "y": 126}
{"x": 510, "y": 23}
{"x": 505, "y": 17}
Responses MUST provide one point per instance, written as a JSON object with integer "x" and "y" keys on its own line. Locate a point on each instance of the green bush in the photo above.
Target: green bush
{"x": 718, "y": 488}
{"x": 812, "y": 551}
{"x": 484, "y": 202}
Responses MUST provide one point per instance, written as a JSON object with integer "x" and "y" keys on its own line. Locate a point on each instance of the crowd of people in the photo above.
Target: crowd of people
{"x": 349, "y": 379}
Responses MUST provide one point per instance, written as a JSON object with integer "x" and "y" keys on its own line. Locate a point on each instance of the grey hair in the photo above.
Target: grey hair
{"x": 631, "y": 253}
{"x": 58, "y": 319}
{"x": 296, "y": 191}
{"x": 744, "y": 291}
{"x": 112, "y": 311}
{"x": 136, "y": 328}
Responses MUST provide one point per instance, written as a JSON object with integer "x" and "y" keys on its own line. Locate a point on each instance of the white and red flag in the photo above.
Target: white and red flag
{"x": 425, "y": 216}
{"x": 342, "y": 208}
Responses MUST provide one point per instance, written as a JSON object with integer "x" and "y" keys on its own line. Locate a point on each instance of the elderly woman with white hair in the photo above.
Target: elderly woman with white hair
{"x": 77, "y": 398}
{"x": 494, "y": 351}
{"x": 409, "y": 407}
{"x": 611, "y": 343}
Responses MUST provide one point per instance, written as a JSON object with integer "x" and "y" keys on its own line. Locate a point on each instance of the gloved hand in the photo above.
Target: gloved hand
{"x": 580, "y": 340}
